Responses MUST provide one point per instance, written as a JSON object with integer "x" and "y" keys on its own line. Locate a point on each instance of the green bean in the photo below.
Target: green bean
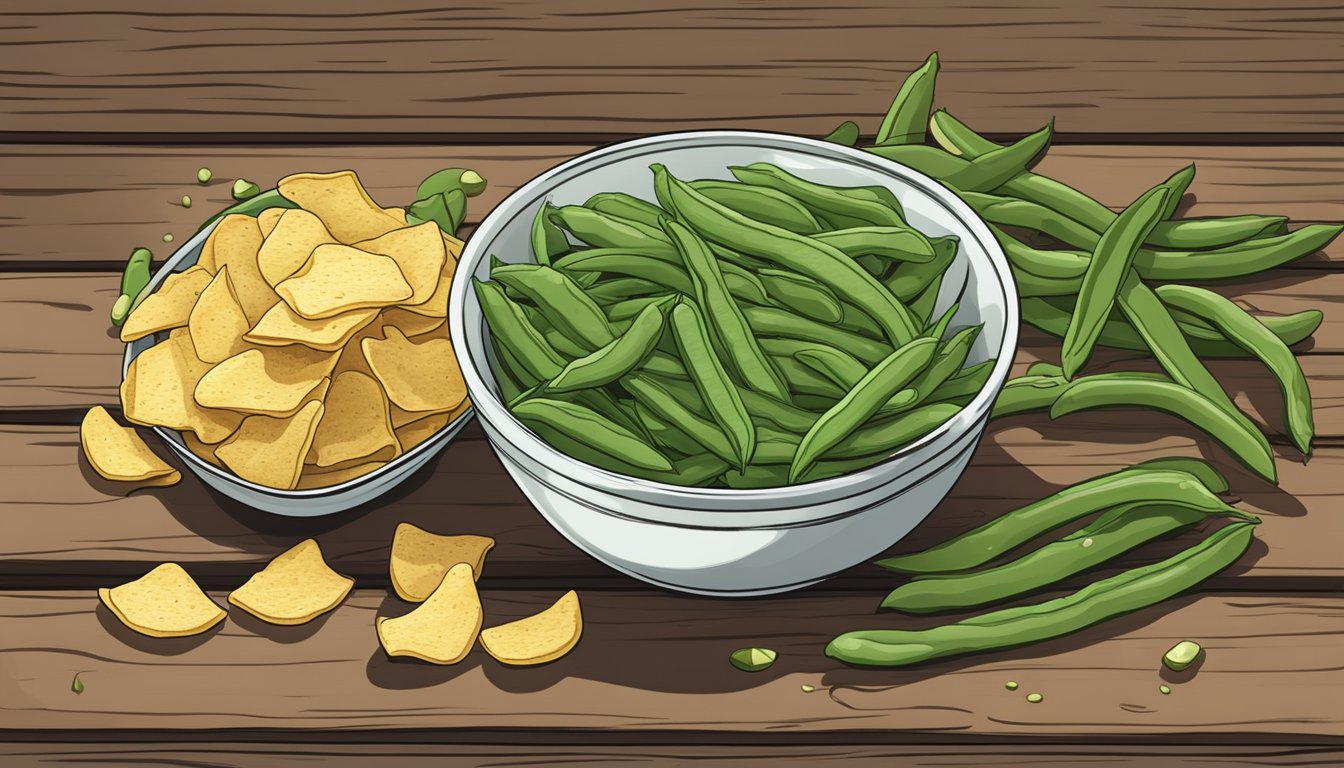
{"x": 803, "y": 380}
{"x": 614, "y": 360}
{"x": 696, "y": 470}
{"x": 644, "y": 266}
{"x": 1129, "y": 591}
{"x": 950, "y": 357}
{"x": 894, "y": 243}
{"x": 629, "y": 308}
{"x": 665, "y": 365}
{"x": 678, "y": 387}
{"x": 854, "y": 319}
{"x": 1202, "y": 470}
{"x": 801, "y": 294}
{"x": 846, "y": 134}
{"x": 909, "y": 111}
{"x": 863, "y": 401}
{"x": 983, "y": 173}
{"x": 968, "y": 383}
{"x": 769, "y": 321}
{"x": 665, "y": 434}
{"x": 910, "y": 279}
{"x": 593, "y": 431}
{"x": 564, "y": 303}
{"x": 446, "y": 209}
{"x": 708, "y": 374}
{"x": 1249, "y": 334}
{"x": 1243, "y": 441}
{"x": 767, "y": 411}
{"x": 1027, "y": 393}
{"x": 1013, "y": 529}
{"x": 252, "y": 206}
{"x": 620, "y": 289}
{"x": 558, "y": 340}
{"x": 922, "y": 305}
{"x": 606, "y": 231}
{"x": 627, "y": 207}
{"x": 763, "y": 204}
{"x": 831, "y": 203}
{"x": 510, "y": 329}
{"x": 506, "y": 380}
{"x": 939, "y": 326}
{"x": 724, "y": 318}
{"x": 729, "y": 256}
{"x": 656, "y": 395}
{"x": 1106, "y": 270}
{"x": 883, "y": 435}
{"x": 774, "y": 447}
{"x": 837, "y": 366}
{"x": 820, "y": 262}
{"x": 777, "y": 475}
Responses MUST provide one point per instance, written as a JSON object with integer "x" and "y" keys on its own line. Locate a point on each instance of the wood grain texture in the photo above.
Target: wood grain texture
{"x": 88, "y": 206}
{"x": 655, "y": 664}
{"x": 62, "y": 525}
{"x": 604, "y": 68}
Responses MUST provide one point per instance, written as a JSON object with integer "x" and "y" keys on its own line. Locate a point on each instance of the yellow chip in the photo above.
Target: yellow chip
{"x": 296, "y": 235}
{"x": 273, "y": 381}
{"x": 294, "y": 588}
{"x": 163, "y": 603}
{"x": 540, "y": 638}
{"x": 268, "y": 218}
{"x": 118, "y": 453}
{"x": 269, "y": 451}
{"x": 356, "y": 424}
{"x": 419, "y": 253}
{"x": 417, "y": 432}
{"x": 282, "y": 325}
{"x": 443, "y": 628}
{"x": 420, "y": 559}
{"x": 217, "y": 322}
{"x": 422, "y": 377}
{"x": 412, "y": 324}
{"x": 323, "y": 479}
{"x": 339, "y": 200}
{"x": 234, "y": 243}
{"x": 158, "y": 391}
{"x": 338, "y": 278}
{"x": 168, "y": 307}
{"x": 203, "y": 451}
{"x": 437, "y": 304}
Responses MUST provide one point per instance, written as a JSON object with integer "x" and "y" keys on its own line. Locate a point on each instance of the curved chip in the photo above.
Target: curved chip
{"x": 539, "y": 638}
{"x": 158, "y": 388}
{"x": 268, "y": 218}
{"x": 117, "y": 452}
{"x": 234, "y": 243}
{"x": 296, "y": 234}
{"x": 355, "y": 424}
{"x": 168, "y": 307}
{"x": 269, "y": 451}
{"x": 282, "y": 325}
{"x": 294, "y": 588}
{"x": 340, "y": 201}
{"x": 437, "y": 304}
{"x": 442, "y": 629}
{"x": 217, "y": 322}
{"x": 419, "y": 253}
{"x": 339, "y": 278}
{"x": 420, "y": 559}
{"x": 422, "y": 377}
{"x": 274, "y": 381}
{"x": 165, "y": 602}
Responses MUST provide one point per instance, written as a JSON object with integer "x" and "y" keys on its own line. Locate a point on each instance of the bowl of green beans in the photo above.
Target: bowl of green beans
{"x": 733, "y": 363}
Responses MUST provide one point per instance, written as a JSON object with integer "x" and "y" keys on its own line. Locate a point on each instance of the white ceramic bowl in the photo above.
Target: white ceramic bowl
{"x": 722, "y": 541}
{"x": 306, "y": 503}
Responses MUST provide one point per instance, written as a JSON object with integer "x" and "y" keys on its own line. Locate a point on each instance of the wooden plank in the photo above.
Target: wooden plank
{"x": 91, "y": 204}
{"x": 601, "y": 68}
{"x": 62, "y": 525}
{"x": 655, "y": 665}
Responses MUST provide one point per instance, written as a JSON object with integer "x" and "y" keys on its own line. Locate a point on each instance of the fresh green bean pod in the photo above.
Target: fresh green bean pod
{"x": 1129, "y": 591}
{"x": 712, "y": 380}
{"x": 801, "y": 294}
{"x": 922, "y": 305}
{"x": 623, "y": 288}
{"x": 769, "y": 321}
{"x": 946, "y": 363}
{"x": 468, "y": 181}
{"x": 763, "y": 204}
{"x": 803, "y": 380}
{"x": 884, "y": 435}
{"x": 627, "y": 207}
{"x": 837, "y": 366}
{"x": 845, "y": 134}
{"x": 1025, "y": 394}
{"x": 602, "y": 230}
{"x": 857, "y": 321}
{"x": 528, "y": 351}
{"x": 630, "y": 308}
{"x": 984, "y": 173}
{"x": 1203, "y": 471}
{"x": 967, "y": 383}
{"x": 909, "y": 111}
{"x": 655, "y": 395}
{"x": 767, "y": 411}
{"x": 561, "y": 300}
{"x": 774, "y": 447}
{"x": 666, "y": 435}
{"x": 614, "y": 360}
{"x": 875, "y": 206}
{"x": 892, "y": 243}
{"x": 909, "y": 280}
{"x": 596, "y": 433}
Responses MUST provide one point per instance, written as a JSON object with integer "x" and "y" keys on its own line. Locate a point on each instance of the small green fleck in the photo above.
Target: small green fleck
{"x": 204, "y": 176}
{"x": 1166, "y": 690}
{"x": 808, "y": 688}
{"x": 77, "y": 685}
{"x": 1087, "y": 542}
{"x": 1011, "y": 685}
{"x": 168, "y": 237}
{"x": 186, "y": 201}
{"x": 752, "y": 659}
{"x": 1035, "y": 698}
{"x": 1181, "y": 655}
{"x": 244, "y": 189}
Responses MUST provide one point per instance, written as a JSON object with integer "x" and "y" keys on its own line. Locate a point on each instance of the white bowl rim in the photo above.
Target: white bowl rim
{"x": 752, "y": 501}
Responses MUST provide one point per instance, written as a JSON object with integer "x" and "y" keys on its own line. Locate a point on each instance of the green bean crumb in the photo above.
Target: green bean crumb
{"x": 808, "y": 688}
{"x": 168, "y": 237}
{"x": 204, "y": 175}
{"x": 752, "y": 659}
{"x": 1035, "y": 698}
{"x": 1181, "y": 655}
{"x": 1166, "y": 690}
{"x": 1087, "y": 542}
{"x": 1011, "y": 685}
{"x": 244, "y": 189}
{"x": 186, "y": 201}
{"x": 77, "y": 685}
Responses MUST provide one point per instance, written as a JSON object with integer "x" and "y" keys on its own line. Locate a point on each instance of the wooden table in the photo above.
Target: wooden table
{"x": 106, "y": 116}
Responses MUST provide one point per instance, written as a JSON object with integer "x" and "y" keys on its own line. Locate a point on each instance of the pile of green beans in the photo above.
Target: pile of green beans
{"x": 747, "y": 333}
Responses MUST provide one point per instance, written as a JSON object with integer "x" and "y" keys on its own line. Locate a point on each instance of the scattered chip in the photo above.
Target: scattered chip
{"x": 168, "y": 307}
{"x": 165, "y": 602}
{"x": 295, "y": 236}
{"x": 268, "y": 450}
{"x": 443, "y": 628}
{"x": 234, "y": 243}
{"x": 540, "y": 638}
{"x": 419, "y": 253}
{"x": 274, "y": 381}
{"x": 294, "y": 588}
{"x": 118, "y": 453}
{"x": 339, "y": 278}
{"x": 158, "y": 388}
{"x": 420, "y": 559}
{"x": 422, "y": 377}
{"x": 217, "y": 322}
{"x": 311, "y": 478}
{"x": 355, "y": 424}
{"x": 282, "y": 325}
{"x": 339, "y": 200}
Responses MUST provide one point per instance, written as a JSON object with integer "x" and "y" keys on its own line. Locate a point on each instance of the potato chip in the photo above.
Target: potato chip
{"x": 234, "y": 243}
{"x": 203, "y": 451}
{"x": 443, "y": 628}
{"x": 356, "y": 424}
{"x": 339, "y": 278}
{"x": 167, "y": 307}
{"x": 288, "y": 246}
{"x": 294, "y": 588}
{"x": 268, "y": 450}
{"x": 339, "y": 200}
{"x": 323, "y": 479}
{"x": 118, "y": 453}
{"x": 422, "y": 377}
{"x": 417, "y": 432}
{"x": 158, "y": 388}
{"x": 282, "y": 325}
{"x": 268, "y": 218}
{"x": 540, "y": 638}
{"x": 437, "y": 304}
{"x": 412, "y": 324}
{"x": 420, "y": 559}
{"x": 419, "y": 253}
{"x": 217, "y": 322}
{"x": 165, "y": 602}
{"x": 273, "y": 380}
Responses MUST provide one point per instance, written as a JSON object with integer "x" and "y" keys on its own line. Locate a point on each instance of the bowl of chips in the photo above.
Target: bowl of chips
{"x": 298, "y": 360}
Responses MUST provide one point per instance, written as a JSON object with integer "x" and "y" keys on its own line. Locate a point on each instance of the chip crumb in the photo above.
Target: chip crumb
{"x": 204, "y": 175}
{"x": 1035, "y": 698}
{"x": 244, "y": 189}
{"x": 808, "y": 688}
{"x": 186, "y": 201}
{"x": 1166, "y": 690}
{"x": 1087, "y": 542}
{"x": 77, "y": 685}
{"x": 168, "y": 237}
{"x": 752, "y": 659}
{"x": 1011, "y": 685}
